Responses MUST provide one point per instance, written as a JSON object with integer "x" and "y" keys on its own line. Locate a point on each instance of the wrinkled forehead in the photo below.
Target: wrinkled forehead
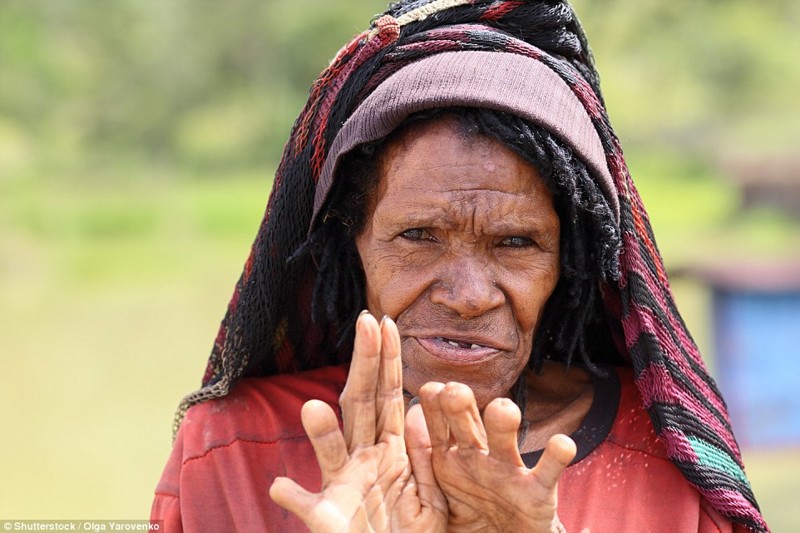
{"x": 447, "y": 162}
{"x": 446, "y": 136}
{"x": 507, "y": 82}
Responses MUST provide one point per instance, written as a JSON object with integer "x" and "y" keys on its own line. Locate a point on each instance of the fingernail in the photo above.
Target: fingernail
{"x": 414, "y": 401}
{"x": 364, "y": 312}
{"x": 383, "y": 319}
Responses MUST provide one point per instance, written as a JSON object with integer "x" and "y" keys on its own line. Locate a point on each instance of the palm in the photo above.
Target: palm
{"x": 358, "y": 495}
{"x": 475, "y": 482}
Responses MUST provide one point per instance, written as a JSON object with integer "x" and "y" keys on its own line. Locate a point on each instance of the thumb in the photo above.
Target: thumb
{"x": 292, "y": 497}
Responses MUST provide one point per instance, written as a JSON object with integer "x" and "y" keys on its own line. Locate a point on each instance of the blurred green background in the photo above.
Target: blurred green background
{"x": 137, "y": 143}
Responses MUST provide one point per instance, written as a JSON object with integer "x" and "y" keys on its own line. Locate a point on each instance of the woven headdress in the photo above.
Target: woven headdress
{"x": 267, "y": 329}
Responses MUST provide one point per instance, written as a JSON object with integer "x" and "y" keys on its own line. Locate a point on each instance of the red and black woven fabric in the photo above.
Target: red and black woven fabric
{"x": 267, "y": 329}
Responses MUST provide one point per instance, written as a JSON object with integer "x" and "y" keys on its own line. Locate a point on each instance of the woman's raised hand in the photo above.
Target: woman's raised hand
{"x": 369, "y": 481}
{"x": 478, "y": 466}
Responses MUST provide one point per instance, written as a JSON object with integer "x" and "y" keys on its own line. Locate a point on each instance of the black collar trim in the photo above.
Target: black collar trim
{"x": 597, "y": 424}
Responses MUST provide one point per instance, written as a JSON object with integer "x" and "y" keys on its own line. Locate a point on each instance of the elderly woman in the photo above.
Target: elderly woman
{"x": 454, "y": 173}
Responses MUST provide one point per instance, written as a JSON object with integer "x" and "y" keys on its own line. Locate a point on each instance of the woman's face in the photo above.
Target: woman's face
{"x": 462, "y": 250}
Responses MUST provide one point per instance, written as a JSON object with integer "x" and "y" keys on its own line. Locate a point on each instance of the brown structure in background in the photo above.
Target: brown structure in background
{"x": 770, "y": 182}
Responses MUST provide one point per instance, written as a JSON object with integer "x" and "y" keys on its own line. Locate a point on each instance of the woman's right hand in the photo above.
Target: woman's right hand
{"x": 367, "y": 478}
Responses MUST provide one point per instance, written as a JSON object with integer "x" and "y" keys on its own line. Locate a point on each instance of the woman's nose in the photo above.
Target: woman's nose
{"x": 466, "y": 286}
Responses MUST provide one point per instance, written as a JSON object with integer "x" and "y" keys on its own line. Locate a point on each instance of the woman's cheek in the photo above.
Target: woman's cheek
{"x": 395, "y": 278}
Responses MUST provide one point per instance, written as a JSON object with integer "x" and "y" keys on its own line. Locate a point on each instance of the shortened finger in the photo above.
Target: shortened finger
{"x": 322, "y": 427}
{"x": 390, "y": 404}
{"x": 463, "y": 417}
{"x": 501, "y": 419}
{"x": 435, "y": 421}
{"x": 558, "y": 454}
{"x": 358, "y": 397}
{"x": 418, "y": 444}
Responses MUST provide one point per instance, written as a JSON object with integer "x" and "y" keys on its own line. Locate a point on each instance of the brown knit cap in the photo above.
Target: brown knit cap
{"x": 507, "y": 82}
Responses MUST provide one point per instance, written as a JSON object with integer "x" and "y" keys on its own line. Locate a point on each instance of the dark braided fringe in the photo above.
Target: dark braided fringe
{"x": 266, "y": 332}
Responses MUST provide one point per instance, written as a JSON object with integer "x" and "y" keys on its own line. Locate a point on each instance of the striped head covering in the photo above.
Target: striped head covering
{"x": 269, "y": 310}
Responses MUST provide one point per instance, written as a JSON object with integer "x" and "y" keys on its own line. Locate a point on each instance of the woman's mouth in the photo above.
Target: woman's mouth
{"x": 456, "y": 350}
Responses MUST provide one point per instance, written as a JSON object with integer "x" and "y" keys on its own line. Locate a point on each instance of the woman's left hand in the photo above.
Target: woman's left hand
{"x": 479, "y": 468}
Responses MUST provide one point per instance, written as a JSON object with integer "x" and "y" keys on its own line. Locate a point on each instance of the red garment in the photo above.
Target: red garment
{"x": 229, "y": 450}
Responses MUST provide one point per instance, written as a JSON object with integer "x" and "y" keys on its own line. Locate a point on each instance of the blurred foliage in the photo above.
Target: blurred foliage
{"x": 209, "y": 84}
{"x": 93, "y": 84}
{"x": 700, "y": 76}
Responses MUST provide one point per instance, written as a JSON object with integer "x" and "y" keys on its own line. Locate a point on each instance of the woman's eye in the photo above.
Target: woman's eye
{"x": 517, "y": 242}
{"x": 416, "y": 234}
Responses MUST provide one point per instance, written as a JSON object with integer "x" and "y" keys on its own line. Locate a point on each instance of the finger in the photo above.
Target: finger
{"x": 558, "y": 454}
{"x": 391, "y": 408}
{"x": 358, "y": 397}
{"x": 463, "y": 417}
{"x": 435, "y": 421}
{"x": 322, "y": 428}
{"x": 501, "y": 419}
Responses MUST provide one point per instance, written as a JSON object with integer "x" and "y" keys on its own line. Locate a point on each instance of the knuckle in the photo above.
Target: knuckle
{"x": 354, "y": 399}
